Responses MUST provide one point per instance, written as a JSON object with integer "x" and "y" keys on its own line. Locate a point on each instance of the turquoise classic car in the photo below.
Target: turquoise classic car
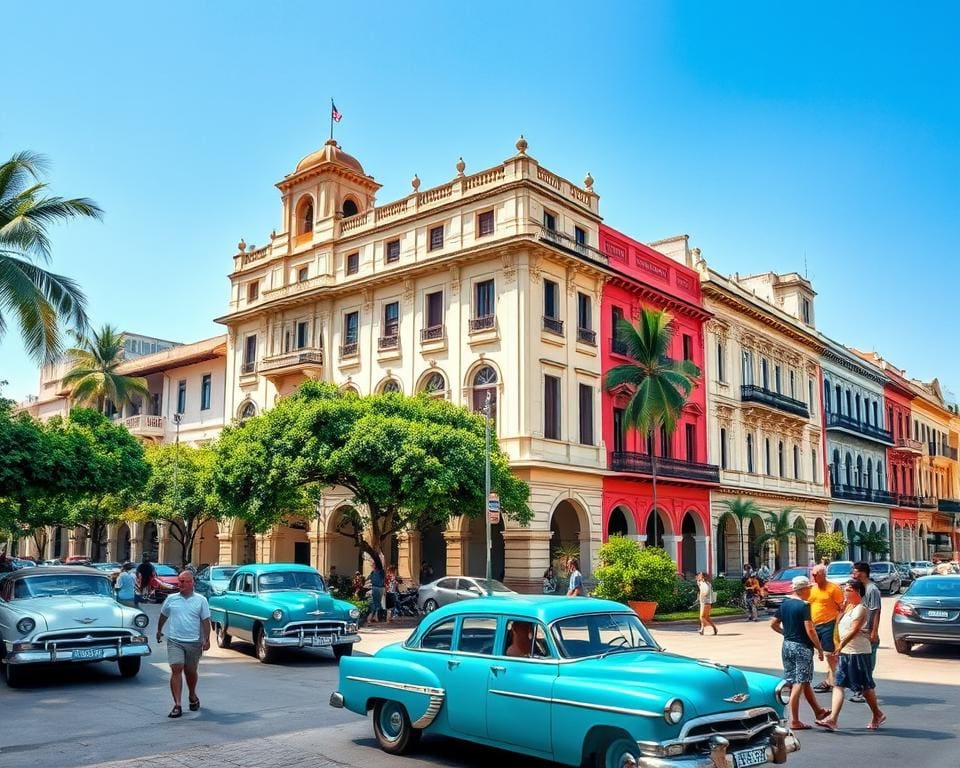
{"x": 573, "y": 680}
{"x": 282, "y": 605}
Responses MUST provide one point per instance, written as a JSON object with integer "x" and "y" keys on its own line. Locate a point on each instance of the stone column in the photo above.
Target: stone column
{"x": 703, "y": 554}
{"x": 49, "y": 544}
{"x": 456, "y": 551}
{"x": 112, "y": 545}
{"x": 265, "y": 547}
{"x": 163, "y": 539}
{"x": 527, "y": 556}
{"x": 136, "y": 542}
{"x": 409, "y": 550}
{"x": 672, "y": 545}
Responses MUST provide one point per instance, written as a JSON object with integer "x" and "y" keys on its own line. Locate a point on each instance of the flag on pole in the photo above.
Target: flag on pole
{"x": 334, "y": 112}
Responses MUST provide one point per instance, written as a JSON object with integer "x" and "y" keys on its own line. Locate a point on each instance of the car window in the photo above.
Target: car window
{"x": 440, "y": 638}
{"x": 6, "y": 593}
{"x": 477, "y": 634}
{"x": 931, "y": 586}
{"x": 447, "y": 584}
{"x": 220, "y": 573}
{"x": 524, "y": 639}
{"x": 879, "y": 568}
{"x": 70, "y": 584}
{"x": 466, "y": 585}
{"x": 247, "y": 582}
{"x": 273, "y": 582}
{"x": 235, "y": 583}
{"x": 596, "y": 633}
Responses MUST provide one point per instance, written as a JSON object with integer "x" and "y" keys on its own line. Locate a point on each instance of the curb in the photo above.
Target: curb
{"x": 695, "y": 622}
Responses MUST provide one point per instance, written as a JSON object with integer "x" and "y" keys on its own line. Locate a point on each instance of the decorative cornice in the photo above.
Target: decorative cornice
{"x": 834, "y": 356}
{"x": 654, "y": 296}
{"x": 791, "y": 498}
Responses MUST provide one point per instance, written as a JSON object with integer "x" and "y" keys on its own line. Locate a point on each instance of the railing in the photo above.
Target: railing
{"x": 144, "y": 423}
{"x": 292, "y": 359}
{"x": 943, "y": 450}
{"x": 350, "y": 349}
{"x": 552, "y": 325}
{"x": 388, "y": 342}
{"x": 618, "y": 347}
{"x": 625, "y": 461}
{"x": 948, "y": 505}
{"x": 435, "y": 194}
{"x": 251, "y": 256}
{"x": 906, "y": 500}
{"x": 484, "y": 177}
{"x": 751, "y": 393}
{"x": 433, "y": 333}
{"x": 482, "y": 323}
{"x": 842, "y": 421}
{"x": 909, "y": 444}
{"x": 354, "y": 222}
{"x": 928, "y": 502}
{"x": 587, "y": 336}
{"x": 852, "y": 493}
{"x": 248, "y": 367}
{"x": 568, "y": 244}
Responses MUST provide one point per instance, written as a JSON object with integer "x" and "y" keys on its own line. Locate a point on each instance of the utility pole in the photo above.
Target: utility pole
{"x": 177, "y": 418}
{"x": 486, "y": 488}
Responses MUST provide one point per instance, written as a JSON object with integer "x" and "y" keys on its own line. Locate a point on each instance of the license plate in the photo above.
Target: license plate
{"x": 938, "y": 615}
{"x": 88, "y": 653}
{"x": 756, "y": 756}
{"x": 321, "y": 641}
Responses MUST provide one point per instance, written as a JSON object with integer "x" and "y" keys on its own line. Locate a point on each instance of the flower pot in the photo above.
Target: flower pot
{"x": 643, "y": 608}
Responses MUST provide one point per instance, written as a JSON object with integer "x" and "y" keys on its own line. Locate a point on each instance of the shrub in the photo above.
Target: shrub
{"x": 631, "y": 572}
{"x": 682, "y": 597}
{"x": 729, "y": 591}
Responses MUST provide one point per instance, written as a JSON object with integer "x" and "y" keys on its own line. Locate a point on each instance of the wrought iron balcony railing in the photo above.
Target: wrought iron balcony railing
{"x": 294, "y": 359}
{"x": 942, "y": 450}
{"x": 552, "y": 325}
{"x": 852, "y": 493}
{"x": 350, "y": 349}
{"x": 908, "y": 445}
{"x": 433, "y": 333}
{"x": 586, "y": 336}
{"x": 391, "y": 341}
{"x": 626, "y": 461}
{"x": 751, "y": 393}
{"x": 842, "y": 421}
{"x": 483, "y": 323}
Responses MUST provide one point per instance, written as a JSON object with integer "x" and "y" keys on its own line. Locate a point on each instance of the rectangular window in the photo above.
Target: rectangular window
{"x": 485, "y": 223}
{"x": 723, "y": 448}
{"x": 796, "y": 462}
{"x": 586, "y": 414}
{"x": 391, "y": 319}
{"x": 721, "y": 354}
{"x": 483, "y": 299}
{"x": 793, "y": 384}
{"x": 580, "y": 235}
{"x": 206, "y": 389}
{"x": 182, "y": 396}
{"x": 302, "y": 274}
{"x": 351, "y": 327}
{"x": 434, "y": 309}
{"x": 253, "y": 291}
{"x": 549, "y": 221}
{"x": 764, "y": 373}
{"x": 666, "y": 448}
{"x": 436, "y": 238}
{"x": 813, "y": 462}
{"x": 551, "y": 407}
{"x": 353, "y": 263}
{"x": 777, "y": 379}
{"x": 687, "y": 347}
{"x": 766, "y": 456}
{"x": 618, "y": 433}
{"x": 584, "y": 312}
{"x": 393, "y": 251}
{"x": 616, "y": 345}
{"x": 747, "y": 367}
{"x": 249, "y": 354}
{"x": 302, "y": 331}
{"x": 810, "y": 397}
{"x": 750, "y": 453}
{"x": 781, "y": 462}
{"x": 690, "y": 435}
{"x": 805, "y": 311}
{"x": 551, "y": 300}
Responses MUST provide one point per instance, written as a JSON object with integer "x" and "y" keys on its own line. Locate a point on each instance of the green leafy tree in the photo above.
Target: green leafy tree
{"x": 39, "y": 301}
{"x": 743, "y": 510}
{"x": 780, "y": 528}
{"x": 875, "y": 543}
{"x": 659, "y": 386}
{"x": 830, "y": 545}
{"x": 409, "y": 463}
{"x": 93, "y": 377}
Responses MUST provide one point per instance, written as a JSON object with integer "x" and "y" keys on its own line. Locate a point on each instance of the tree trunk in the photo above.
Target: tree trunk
{"x": 653, "y": 476}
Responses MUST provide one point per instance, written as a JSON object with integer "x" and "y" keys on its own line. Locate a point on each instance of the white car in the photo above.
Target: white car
{"x": 921, "y": 568}
{"x": 840, "y": 571}
{"x": 66, "y": 615}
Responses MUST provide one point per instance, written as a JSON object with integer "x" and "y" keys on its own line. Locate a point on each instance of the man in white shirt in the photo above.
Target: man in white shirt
{"x": 187, "y": 617}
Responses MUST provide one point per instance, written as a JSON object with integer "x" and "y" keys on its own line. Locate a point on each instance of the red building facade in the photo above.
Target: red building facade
{"x": 902, "y": 460}
{"x": 681, "y": 522}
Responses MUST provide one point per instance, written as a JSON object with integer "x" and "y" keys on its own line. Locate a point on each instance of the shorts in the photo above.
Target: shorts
{"x": 853, "y": 672}
{"x": 797, "y": 662}
{"x": 183, "y": 653}
{"x": 391, "y": 601}
{"x": 825, "y": 632}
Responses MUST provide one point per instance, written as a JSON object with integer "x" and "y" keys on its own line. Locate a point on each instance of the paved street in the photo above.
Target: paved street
{"x": 257, "y": 716}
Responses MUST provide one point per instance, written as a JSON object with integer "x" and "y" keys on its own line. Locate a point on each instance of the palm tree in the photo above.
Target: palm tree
{"x": 660, "y": 386}
{"x": 39, "y": 300}
{"x": 93, "y": 377}
{"x": 874, "y": 542}
{"x": 779, "y": 530}
{"x": 743, "y": 509}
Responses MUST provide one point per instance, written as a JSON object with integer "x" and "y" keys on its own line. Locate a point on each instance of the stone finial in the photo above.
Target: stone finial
{"x": 460, "y": 167}
{"x": 242, "y": 245}
{"x": 522, "y": 145}
{"x": 415, "y": 182}
{"x": 588, "y": 181}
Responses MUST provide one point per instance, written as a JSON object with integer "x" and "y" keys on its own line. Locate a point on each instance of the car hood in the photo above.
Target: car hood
{"x": 704, "y": 685}
{"x": 779, "y": 587}
{"x": 75, "y": 612}
{"x": 297, "y": 602}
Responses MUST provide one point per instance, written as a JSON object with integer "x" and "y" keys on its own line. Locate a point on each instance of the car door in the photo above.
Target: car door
{"x": 467, "y": 589}
{"x": 203, "y": 582}
{"x": 445, "y": 591}
{"x": 520, "y": 690}
{"x": 238, "y": 621}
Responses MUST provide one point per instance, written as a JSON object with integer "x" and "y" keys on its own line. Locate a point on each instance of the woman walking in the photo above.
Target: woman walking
{"x": 393, "y": 591}
{"x": 853, "y": 666}
{"x": 706, "y": 597}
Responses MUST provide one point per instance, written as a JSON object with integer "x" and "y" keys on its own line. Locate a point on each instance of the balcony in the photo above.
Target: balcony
{"x": 483, "y": 323}
{"x": 871, "y": 495}
{"x": 639, "y": 463}
{"x": 248, "y": 368}
{"x": 944, "y": 451}
{"x": 350, "y": 349}
{"x": 568, "y": 244}
{"x": 308, "y": 361}
{"x": 949, "y": 505}
{"x": 751, "y": 393}
{"x": 908, "y": 445}
{"x": 928, "y": 502}
{"x": 145, "y": 426}
{"x": 906, "y": 500}
{"x": 586, "y": 336}
{"x": 860, "y": 428}
{"x": 433, "y": 333}
{"x": 391, "y": 341}
{"x": 618, "y": 347}
{"x": 552, "y": 325}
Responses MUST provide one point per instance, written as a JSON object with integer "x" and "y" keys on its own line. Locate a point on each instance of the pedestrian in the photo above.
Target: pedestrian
{"x": 550, "y": 584}
{"x": 763, "y": 574}
{"x": 358, "y": 583}
{"x": 747, "y": 572}
{"x": 575, "y": 587}
{"x": 393, "y": 591}
{"x": 377, "y": 581}
{"x": 753, "y": 593}
{"x": 825, "y": 561}
{"x": 426, "y": 573}
{"x": 706, "y": 597}
{"x": 126, "y": 586}
{"x": 871, "y": 600}
{"x": 853, "y": 652}
{"x": 188, "y": 616}
{"x": 792, "y": 620}
{"x": 826, "y": 603}
{"x": 332, "y": 578}
{"x": 145, "y": 575}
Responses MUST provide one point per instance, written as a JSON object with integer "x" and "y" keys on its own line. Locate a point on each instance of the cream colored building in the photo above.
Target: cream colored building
{"x": 488, "y": 283}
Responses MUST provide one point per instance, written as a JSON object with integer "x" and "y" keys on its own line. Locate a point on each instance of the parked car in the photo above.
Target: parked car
{"x": 214, "y": 579}
{"x": 52, "y": 562}
{"x": 928, "y": 612}
{"x": 111, "y": 569}
{"x": 64, "y": 614}
{"x": 454, "y": 588}
{"x": 921, "y": 568}
{"x": 780, "y": 584}
{"x": 282, "y": 605}
{"x": 586, "y": 673}
{"x": 906, "y": 575}
{"x": 840, "y": 571}
{"x": 166, "y": 575}
{"x": 77, "y": 560}
{"x": 886, "y": 576}
{"x": 19, "y": 562}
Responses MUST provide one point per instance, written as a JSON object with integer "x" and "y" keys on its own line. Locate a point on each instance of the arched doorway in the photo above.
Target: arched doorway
{"x": 59, "y": 544}
{"x": 291, "y": 542}
{"x": 884, "y": 534}
{"x": 693, "y": 557}
{"x": 122, "y": 546}
{"x": 342, "y": 550}
{"x": 476, "y": 551}
{"x": 206, "y": 545}
{"x": 150, "y": 541}
{"x": 434, "y": 550}
{"x": 621, "y": 522}
{"x": 922, "y": 542}
{"x": 728, "y": 547}
{"x": 754, "y": 531}
{"x": 658, "y": 525}
{"x": 568, "y": 536}
{"x": 862, "y": 553}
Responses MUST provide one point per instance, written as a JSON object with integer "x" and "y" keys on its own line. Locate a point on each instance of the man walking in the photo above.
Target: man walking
{"x": 871, "y": 601}
{"x": 826, "y": 603}
{"x": 188, "y": 616}
{"x": 575, "y": 587}
{"x": 145, "y": 574}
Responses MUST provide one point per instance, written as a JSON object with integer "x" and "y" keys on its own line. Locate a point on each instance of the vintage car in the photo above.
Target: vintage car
{"x": 282, "y": 605}
{"x": 66, "y": 614}
{"x": 575, "y": 681}
{"x": 214, "y": 579}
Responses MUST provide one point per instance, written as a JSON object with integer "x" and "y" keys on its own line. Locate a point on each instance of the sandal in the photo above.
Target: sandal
{"x": 194, "y": 705}
{"x": 823, "y": 687}
{"x": 874, "y": 725}
{"x": 177, "y": 711}
{"x": 823, "y": 714}
{"x": 830, "y": 726}
{"x": 800, "y": 727}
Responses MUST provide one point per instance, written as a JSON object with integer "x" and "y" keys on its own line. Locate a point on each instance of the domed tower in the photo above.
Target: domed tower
{"x": 326, "y": 186}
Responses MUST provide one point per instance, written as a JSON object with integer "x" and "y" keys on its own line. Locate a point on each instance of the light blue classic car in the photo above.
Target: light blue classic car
{"x": 573, "y": 680}
{"x": 282, "y": 605}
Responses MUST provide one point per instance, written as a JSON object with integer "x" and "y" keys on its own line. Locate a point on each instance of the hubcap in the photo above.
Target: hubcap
{"x": 391, "y": 722}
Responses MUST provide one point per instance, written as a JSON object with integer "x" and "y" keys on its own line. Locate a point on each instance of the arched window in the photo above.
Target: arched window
{"x": 839, "y": 403}
{"x": 826, "y": 395}
{"x": 780, "y": 461}
{"x": 848, "y": 467}
{"x": 859, "y": 471}
{"x": 849, "y": 403}
{"x": 305, "y": 216}
{"x": 350, "y": 390}
{"x": 869, "y": 473}
{"x": 857, "y": 401}
{"x": 390, "y": 386}
{"x": 835, "y": 468}
{"x": 484, "y": 383}
{"x": 880, "y": 476}
{"x": 350, "y": 208}
{"x": 435, "y": 385}
{"x": 247, "y": 411}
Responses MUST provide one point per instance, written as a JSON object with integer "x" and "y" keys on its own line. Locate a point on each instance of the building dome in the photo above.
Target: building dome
{"x": 330, "y": 153}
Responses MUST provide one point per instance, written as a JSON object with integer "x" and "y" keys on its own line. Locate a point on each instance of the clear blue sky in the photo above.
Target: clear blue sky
{"x": 825, "y": 137}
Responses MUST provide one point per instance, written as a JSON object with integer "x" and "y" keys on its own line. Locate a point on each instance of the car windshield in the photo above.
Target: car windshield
{"x": 787, "y": 574}
{"x": 492, "y": 585}
{"x": 222, "y": 574}
{"x": 274, "y": 582}
{"x": 599, "y": 633}
{"x": 932, "y": 586}
{"x": 68, "y": 584}
{"x": 106, "y": 566}
{"x": 165, "y": 570}
{"x": 879, "y": 568}
{"x": 839, "y": 569}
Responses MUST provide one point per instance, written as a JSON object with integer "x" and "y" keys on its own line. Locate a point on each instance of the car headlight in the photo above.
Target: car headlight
{"x": 354, "y": 613}
{"x": 782, "y": 692}
{"x": 141, "y": 620}
{"x": 26, "y": 625}
{"x": 673, "y": 711}
{"x": 277, "y": 615}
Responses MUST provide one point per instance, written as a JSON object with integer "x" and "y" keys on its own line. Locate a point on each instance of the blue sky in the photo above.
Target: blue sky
{"x": 823, "y": 138}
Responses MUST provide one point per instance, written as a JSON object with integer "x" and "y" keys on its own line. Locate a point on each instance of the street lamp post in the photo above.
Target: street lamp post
{"x": 177, "y": 418}
{"x": 486, "y": 487}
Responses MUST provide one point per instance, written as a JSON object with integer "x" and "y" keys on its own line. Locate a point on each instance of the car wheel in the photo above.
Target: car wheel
{"x": 430, "y": 606}
{"x": 391, "y": 726}
{"x": 619, "y": 753}
{"x": 344, "y": 649}
{"x": 264, "y": 652}
{"x": 902, "y": 646}
{"x": 223, "y": 638}
{"x": 129, "y": 667}
{"x": 13, "y": 676}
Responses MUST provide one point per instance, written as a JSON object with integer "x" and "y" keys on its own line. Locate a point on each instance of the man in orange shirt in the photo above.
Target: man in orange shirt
{"x": 826, "y": 603}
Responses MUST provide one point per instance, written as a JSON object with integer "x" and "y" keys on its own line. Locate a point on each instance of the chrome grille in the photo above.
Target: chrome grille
{"x": 308, "y": 628}
{"x": 65, "y": 641}
{"x": 739, "y": 728}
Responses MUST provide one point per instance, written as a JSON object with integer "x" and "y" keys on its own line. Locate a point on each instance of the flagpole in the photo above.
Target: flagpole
{"x": 331, "y": 118}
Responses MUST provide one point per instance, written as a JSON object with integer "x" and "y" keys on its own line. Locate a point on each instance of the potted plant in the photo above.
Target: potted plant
{"x": 640, "y": 577}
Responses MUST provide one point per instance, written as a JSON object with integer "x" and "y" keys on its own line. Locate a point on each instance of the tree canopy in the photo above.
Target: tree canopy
{"x": 93, "y": 377}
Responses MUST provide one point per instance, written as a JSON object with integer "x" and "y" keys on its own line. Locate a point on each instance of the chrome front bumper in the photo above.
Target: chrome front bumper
{"x": 53, "y": 655}
{"x": 311, "y": 641}
{"x": 336, "y": 700}
{"x": 780, "y": 742}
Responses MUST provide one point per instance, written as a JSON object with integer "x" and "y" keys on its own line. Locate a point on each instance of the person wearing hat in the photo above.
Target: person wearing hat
{"x": 792, "y": 620}
{"x": 126, "y": 586}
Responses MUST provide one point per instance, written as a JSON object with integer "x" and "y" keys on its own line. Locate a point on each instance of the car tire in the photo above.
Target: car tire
{"x": 430, "y": 606}
{"x": 391, "y": 725}
{"x": 344, "y": 649}
{"x": 129, "y": 667}
{"x": 902, "y": 646}
{"x": 614, "y": 755}
{"x": 265, "y": 654}
{"x": 13, "y": 676}
{"x": 223, "y": 637}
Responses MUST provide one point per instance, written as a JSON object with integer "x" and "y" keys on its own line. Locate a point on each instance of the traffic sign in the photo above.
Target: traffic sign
{"x": 493, "y": 509}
